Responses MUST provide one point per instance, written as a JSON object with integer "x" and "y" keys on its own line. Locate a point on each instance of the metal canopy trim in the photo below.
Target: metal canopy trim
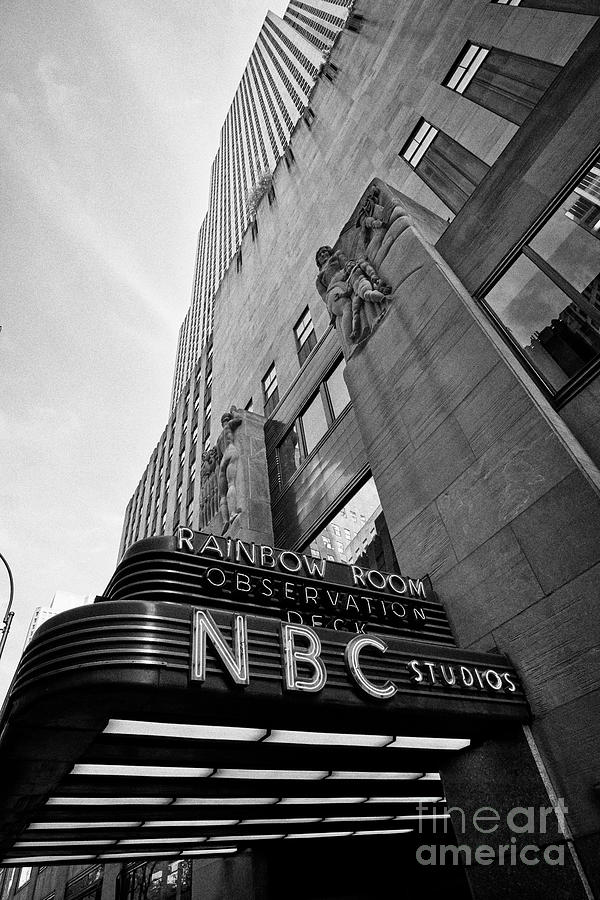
{"x": 114, "y": 751}
{"x": 164, "y": 566}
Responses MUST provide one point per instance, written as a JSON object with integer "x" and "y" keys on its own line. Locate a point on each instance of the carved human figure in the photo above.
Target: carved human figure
{"x": 366, "y": 287}
{"x": 208, "y": 464}
{"x": 353, "y": 292}
{"x": 369, "y": 216}
{"x": 229, "y": 457}
{"x": 209, "y": 498}
{"x": 333, "y": 287}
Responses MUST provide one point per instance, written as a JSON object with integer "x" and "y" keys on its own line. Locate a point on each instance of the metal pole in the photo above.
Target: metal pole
{"x": 8, "y": 616}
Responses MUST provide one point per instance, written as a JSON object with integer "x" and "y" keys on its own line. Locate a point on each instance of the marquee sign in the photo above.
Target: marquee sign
{"x": 304, "y": 669}
{"x": 222, "y": 709}
{"x": 224, "y": 573}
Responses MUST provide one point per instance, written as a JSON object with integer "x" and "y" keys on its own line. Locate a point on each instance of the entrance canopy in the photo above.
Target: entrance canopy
{"x": 132, "y": 732}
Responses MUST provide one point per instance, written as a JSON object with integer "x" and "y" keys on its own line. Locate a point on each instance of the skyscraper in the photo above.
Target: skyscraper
{"x": 417, "y": 430}
{"x": 61, "y": 601}
{"x": 272, "y": 95}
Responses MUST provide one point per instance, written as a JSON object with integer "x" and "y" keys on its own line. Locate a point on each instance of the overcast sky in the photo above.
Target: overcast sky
{"x": 110, "y": 112}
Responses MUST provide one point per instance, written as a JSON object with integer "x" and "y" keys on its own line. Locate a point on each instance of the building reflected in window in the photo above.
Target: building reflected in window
{"x": 358, "y": 534}
{"x": 87, "y": 885}
{"x": 549, "y": 299}
{"x": 161, "y": 880}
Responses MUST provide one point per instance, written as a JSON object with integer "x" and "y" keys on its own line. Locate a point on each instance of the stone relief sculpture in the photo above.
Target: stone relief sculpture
{"x": 228, "y": 456}
{"x": 208, "y": 464}
{"x": 209, "y": 493}
{"x": 353, "y": 292}
{"x": 370, "y": 216}
{"x": 365, "y": 286}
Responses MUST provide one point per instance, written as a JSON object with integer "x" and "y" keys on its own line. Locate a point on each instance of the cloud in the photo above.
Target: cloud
{"x": 60, "y": 97}
{"x": 26, "y": 145}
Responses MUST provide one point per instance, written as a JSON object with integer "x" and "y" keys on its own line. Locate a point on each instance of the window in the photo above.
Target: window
{"x": 371, "y": 547}
{"x": 464, "y": 69}
{"x": 449, "y": 169}
{"x": 8, "y": 882}
{"x": 305, "y": 336}
{"x": 585, "y": 7}
{"x": 24, "y": 876}
{"x": 289, "y": 455}
{"x": 270, "y": 390}
{"x": 249, "y": 407}
{"x": 85, "y": 886}
{"x": 507, "y": 83}
{"x": 309, "y": 116}
{"x": 548, "y": 301}
{"x": 337, "y": 392}
{"x": 313, "y": 423}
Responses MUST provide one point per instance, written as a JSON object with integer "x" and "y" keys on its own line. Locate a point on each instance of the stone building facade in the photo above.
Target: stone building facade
{"x": 473, "y": 410}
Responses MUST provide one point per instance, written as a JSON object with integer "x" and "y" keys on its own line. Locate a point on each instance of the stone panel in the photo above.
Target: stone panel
{"x": 415, "y": 477}
{"x": 560, "y": 534}
{"x": 569, "y": 737}
{"x": 554, "y": 643}
{"x": 447, "y": 381}
{"x": 582, "y": 415}
{"x": 509, "y": 477}
{"x": 498, "y": 775}
{"x": 488, "y": 587}
{"x": 423, "y": 546}
{"x": 494, "y": 406}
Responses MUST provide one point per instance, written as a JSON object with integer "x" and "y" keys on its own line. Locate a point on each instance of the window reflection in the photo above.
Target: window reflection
{"x": 358, "y": 534}
{"x": 566, "y": 243}
{"x": 338, "y": 392}
{"x": 314, "y": 423}
{"x": 289, "y": 455}
{"x": 157, "y": 881}
{"x": 549, "y": 299}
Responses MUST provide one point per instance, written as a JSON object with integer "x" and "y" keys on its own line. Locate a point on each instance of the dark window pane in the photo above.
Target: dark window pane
{"x": 272, "y": 402}
{"x": 510, "y": 84}
{"x": 338, "y": 392}
{"x": 451, "y": 171}
{"x": 314, "y": 423}
{"x": 307, "y": 346}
